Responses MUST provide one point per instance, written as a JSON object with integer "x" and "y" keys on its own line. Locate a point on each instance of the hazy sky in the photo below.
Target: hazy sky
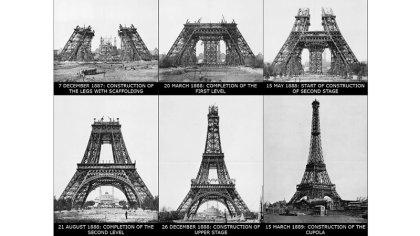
{"x": 182, "y": 133}
{"x": 248, "y": 14}
{"x": 73, "y": 117}
{"x": 105, "y": 16}
{"x": 287, "y": 133}
{"x": 279, "y": 17}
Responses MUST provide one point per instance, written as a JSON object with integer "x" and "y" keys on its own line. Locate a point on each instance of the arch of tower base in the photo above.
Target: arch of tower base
{"x": 226, "y": 200}
{"x": 127, "y": 189}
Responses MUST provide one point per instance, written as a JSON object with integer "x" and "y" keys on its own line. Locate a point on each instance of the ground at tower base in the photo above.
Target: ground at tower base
{"x": 316, "y": 212}
{"x": 275, "y": 218}
{"x": 210, "y": 74}
{"x": 105, "y": 215}
{"x": 135, "y": 71}
{"x": 211, "y": 215}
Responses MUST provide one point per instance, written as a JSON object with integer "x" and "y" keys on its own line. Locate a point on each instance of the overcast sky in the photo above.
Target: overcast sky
{"x": 287, "y": 133}
{"x": 105, "y": 16}
{"x": 248, "y": 14}
{"x": 279, "y": 17}
{"x": 182, "y": 134}
{"x": 73, "y": 117}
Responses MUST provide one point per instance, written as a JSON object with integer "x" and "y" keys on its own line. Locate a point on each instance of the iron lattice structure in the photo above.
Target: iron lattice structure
{"x": 121, "y": 174}
{"x": 79, "y": 45}
{"x": 212, "y": 52}
{"x": 107, "y": 50}
{"x": 183, "y": 51}
{"x": 132, "y": 46}
{"x": 289, "y": 56}
{"x": 316, "y": 183}
{"x": 204, "y": 189}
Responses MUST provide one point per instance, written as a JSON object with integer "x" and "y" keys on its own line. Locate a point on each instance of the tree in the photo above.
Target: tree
{"x": 134, "y": 205}
{"x": 67, "y": 204}
{"x": 365, "y": 69}
{"x": 165, "y": 62}
{"x": 268, "y": 70}
{"x": 169, "y": 216}
{"x": 255, "y": 62}
{"x": 151, "y": 203}
{"x": 88, "y": 204}
{"x": 123, "y": 204}
{"x": 56, "y": 207}
{"x": 62, "y": 204}
{"x": 360, "y": 69}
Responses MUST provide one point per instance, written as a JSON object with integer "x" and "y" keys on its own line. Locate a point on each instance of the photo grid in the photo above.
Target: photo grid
{"x": 205, "y": 117}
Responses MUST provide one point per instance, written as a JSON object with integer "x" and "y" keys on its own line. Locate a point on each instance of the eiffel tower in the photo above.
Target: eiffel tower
{"x": 316, "y": 183}
{"x": 132, "y": 46}
{"x": 91, "y": 174}
{"x": 183, "y": 51}
{"x": 79, "y": 45}
{"x": 289, "y": 59}
{"x": 204, "y": 189}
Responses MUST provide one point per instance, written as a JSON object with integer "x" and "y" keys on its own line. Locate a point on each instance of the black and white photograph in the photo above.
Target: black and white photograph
{"x": 211, "y": 41}
{"x": 106, "y": 41}
{"x": 315, "y": 41}
{"x": 209, "y": 117}
{"x": 210, "y": 159}
{"x": 105, "y": 159}
{"x": 307, "y": 180}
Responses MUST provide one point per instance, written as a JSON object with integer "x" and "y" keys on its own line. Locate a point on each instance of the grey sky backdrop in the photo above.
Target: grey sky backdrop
{"x": 105, "y": 16}
{"x": 248, "y": 14}
{"x": 73, "y": 117}
{"x": 279, "y": 17}
{"x": 182, "y": 134}
{"x": 287, "y": 133}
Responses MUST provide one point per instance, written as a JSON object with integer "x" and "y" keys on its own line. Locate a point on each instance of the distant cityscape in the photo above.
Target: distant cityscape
{"x": 106, "y": 200}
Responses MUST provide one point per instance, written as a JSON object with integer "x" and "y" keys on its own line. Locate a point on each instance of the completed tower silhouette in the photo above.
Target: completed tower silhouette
{"x": 316, "y": 183}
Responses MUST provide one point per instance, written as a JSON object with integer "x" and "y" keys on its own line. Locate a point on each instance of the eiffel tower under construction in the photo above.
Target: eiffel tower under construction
{"x": 183, "y": 51}
{"x": 223, "y": 188}
{"x": 91, "y": 173}
{"x": 79, "y": 46}
{"x": 288, "y": 60}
